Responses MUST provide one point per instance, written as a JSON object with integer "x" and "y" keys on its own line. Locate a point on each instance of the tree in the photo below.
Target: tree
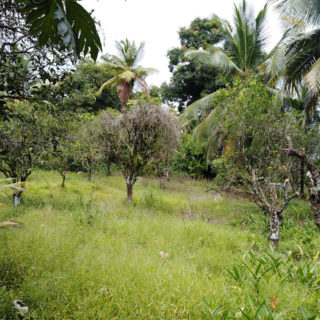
{"x": 294, "y": 62}
{"x": 192, "y": 79}
{"x": 243, "y": 45}
{"x": 25, "y": 137}
{"x": 37, "y": 39}
{"x": 251, "y": 154}
{"x": 77, "y": 91}
{"x": 241, "y": 55}
{"x": 314, "y": 178}
{"x": 135, "y": 138}
{"x": 64, "y": 22}
{"x": 23, "y": 61}
{"x": 88, "y": 146}
{"x": 127, "y": 69}
{"x": 61, "y": 157}
{"x": 170, "y": 143}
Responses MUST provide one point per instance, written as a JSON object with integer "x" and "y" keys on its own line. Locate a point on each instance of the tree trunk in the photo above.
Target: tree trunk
{"x": 274, "y": 228}
{"x": 129, "y": 192}
{"x": 314, "y": 199}
{"x": 162, "y": 185}
{"x": 91, "y": 175}
{"x": 63, "y": 174}
{"x": 161, "y": 176}
{"x": 18, "y": 192}
{"x": 167, "y": 171}
{"x": 302, "y": 178}
{"x": 17, "y": 199}
{"x": 108, "y": 169}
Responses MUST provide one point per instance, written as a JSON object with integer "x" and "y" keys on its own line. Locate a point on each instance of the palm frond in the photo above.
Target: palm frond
{"x": 210, "y": 134}
{"x": 221, "y": 59}
{"x": 303, "y": 51}
{"x": 197, "y": 109}
{"x": 143, "y": 84}
{"x": 312, "y": 78}
{"x": 306, "y": 10}
{"x": 141, "y": 71}
{"x": 205, "y": 129}
{"x": 127, "y": 75}
{"x": 108, "y": 84}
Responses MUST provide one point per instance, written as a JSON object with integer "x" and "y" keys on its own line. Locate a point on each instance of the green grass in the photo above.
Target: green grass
{"x": 86, "y": 254}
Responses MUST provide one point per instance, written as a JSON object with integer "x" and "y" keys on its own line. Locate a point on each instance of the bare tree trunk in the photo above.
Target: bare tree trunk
{"x": 17, "y": 199}
{"x": 274, "y": 228}
{"x": 91, "y": 175}
{"x": 130, "y": 181}
{"x": 129, "y": 192}
{"x": 302, "y": 179}
{"x": 17, "y": 193}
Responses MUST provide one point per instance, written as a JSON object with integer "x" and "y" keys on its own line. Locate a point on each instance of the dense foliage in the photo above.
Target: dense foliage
{"x": 193, "y": 79}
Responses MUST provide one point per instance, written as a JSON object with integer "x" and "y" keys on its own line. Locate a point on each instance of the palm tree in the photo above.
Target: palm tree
{"x": 296, "y": 61}
{"x": 242, "y": 51}
{"x": 241, "y": 54}
{"x": 127, "y": 69}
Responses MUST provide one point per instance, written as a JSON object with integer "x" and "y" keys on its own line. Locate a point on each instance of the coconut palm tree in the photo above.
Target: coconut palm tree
{"x": 242, "y": 52}
{"x": 128, "y": 70}
{"x": 297, "y": 60}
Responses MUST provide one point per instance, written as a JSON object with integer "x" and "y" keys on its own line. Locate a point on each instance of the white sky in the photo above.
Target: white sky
{"x": 157, "y": 22}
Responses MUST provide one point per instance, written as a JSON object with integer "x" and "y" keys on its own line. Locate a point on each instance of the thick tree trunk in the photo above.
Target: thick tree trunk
{"x": 129, "y": 192}
{"x": 302, "y": 179}
{"x": 130, "y": 180}
{"x": 274, "y": 228}
{"x": 91, "y": 175}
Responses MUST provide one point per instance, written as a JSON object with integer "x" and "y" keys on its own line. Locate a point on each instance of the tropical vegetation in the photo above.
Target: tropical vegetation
{"x": 197, "y": 199}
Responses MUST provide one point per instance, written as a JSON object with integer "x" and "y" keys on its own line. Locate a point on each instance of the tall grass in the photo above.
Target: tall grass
{"x": 86, "y": 254}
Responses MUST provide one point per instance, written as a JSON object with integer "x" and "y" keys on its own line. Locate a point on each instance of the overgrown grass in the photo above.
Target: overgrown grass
{"x": 86, "y": 254}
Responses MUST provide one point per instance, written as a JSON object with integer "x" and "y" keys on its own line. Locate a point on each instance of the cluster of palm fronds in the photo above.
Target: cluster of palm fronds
{"x": 291, "y": 70}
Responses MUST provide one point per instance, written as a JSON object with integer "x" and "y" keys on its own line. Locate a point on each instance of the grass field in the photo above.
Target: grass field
{"x": 86, "y": 254}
